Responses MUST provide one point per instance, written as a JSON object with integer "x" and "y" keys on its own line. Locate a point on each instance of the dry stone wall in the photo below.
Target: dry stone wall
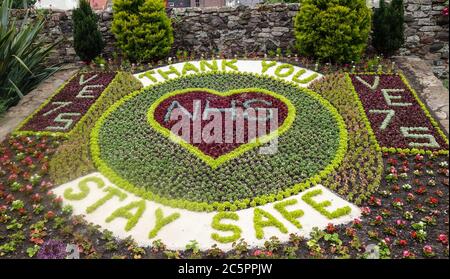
{"x": 256, "y": 29}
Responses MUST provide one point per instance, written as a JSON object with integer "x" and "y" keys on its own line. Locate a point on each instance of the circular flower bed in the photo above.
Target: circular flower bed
{"x": 139, "y": 158}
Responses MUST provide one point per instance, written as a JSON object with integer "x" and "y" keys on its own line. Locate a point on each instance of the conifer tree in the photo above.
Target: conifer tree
{"x": 142, "y": 29}
{"x": 88, "y": 41}
{"x": 388, "y": 32}
{"x": 332, "y": 30}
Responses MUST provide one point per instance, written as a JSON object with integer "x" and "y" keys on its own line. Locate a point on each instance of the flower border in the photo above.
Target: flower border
{"x": 420, "y": 103}
{"x": 216, "y": 162}
{"x": 224, "y": 206}
{"x": 17, "y": 131}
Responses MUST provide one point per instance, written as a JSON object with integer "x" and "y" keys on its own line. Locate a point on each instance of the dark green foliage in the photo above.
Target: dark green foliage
{"x": 388, "y": 27}
{"x": 19, "y": 4}
{"x": 88, "y": 42}
{"x": 142, "y": 28}
{"x": 332, "y": 30}
{"x": 21, "y": 57}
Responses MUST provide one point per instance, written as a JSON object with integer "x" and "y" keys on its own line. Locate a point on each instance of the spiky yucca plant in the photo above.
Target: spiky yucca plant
{"x": 21, "y": 56}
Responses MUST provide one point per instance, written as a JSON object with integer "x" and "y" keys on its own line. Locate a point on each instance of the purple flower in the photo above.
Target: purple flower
{"x": 52, "y": 249}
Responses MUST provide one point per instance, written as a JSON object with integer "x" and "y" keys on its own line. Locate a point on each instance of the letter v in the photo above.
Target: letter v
{"x": 375, "y": 84}
{"x": 83, "y": 82}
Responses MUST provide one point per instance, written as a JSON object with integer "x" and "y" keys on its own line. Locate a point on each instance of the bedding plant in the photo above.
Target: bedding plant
{"x": 333, "y": 138}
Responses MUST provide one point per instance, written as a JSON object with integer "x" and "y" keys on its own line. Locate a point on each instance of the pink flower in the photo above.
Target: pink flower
{"x": 442, "y": 238}
{"x": 365, "y": 210}
{"x": 407, "y": 254}
{"x": 257, "y": 253}
{"x": 445, "y": 11}
{"x": 428, "y": 250}
{"x": 28, "y": 188}
{"x": 400, "y": 223}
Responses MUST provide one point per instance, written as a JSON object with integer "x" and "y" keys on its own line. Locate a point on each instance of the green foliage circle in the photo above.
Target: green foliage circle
{"x": 133, "y": 155}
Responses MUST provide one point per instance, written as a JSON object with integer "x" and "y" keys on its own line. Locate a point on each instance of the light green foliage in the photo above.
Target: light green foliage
{"x": 226, "y": 227}
{"x": 262, "y": 219}
{"x": 335, "y": 30}
{"x": 126, "y": 212}
{"x": 162, "y": 221}
{"x": 142, "y": 29}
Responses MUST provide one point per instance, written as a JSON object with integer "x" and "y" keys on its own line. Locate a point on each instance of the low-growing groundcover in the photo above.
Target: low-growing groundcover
{"x": 402, "y": 194}
{"x": 169, "y": 170}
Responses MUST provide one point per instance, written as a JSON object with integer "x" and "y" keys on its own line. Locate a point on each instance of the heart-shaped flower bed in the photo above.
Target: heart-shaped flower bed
{"x": 219, "y": 126}
{"x": 137, "y": 147}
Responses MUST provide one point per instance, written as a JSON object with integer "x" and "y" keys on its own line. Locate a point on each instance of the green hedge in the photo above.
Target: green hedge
{"x": 332, "y": 30}
{"x": 142, "y": 29}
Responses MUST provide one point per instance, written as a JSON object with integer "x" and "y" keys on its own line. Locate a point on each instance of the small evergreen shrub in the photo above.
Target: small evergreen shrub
{"x": 388, "y": 27}
{"x": 142, "y": 29}
{"x": 332, "y": 30}
{"x": 88, "y": 41}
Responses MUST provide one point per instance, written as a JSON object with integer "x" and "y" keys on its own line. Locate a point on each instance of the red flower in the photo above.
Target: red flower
{"x": 414, "y": 234}
{"x": 28, "y": 188}
{"x": 408, "y": 255}
{"x": 36, "y": 198}
{"x": 418, "y": 158}
{"x": 10, "y": 198}
{"x": 428, "y": 251}
{"x": 365, "y": 211}
{"x": 442, "y": 238}
{"x": 400, "y": 223}
{"x": 402, "y": 242}
{"x": 395, "y": 188}
{"x": 331, "y": 228}
{"x": 374, "y": 201}
{"x": 50, "y": 215}
{"x": 351, "y": 232}
{"x": 12, "y": 177}
{"x": 445, "y": 11}
{"x": 433, "y": 201}
{"x": 393, "y": 170}
{"x": 392, "y": 161}
{"x": 37, "y": 240}
{"x": 257, "y": 253}
{"x": 357, "y": 223}
{"x": 422, "y": 190}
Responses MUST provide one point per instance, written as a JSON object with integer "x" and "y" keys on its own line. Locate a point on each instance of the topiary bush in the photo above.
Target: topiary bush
{"x": 388, "y": 29}
{"x": 332, "y": 30}
{"x": 142, "y": 29}
{"x": 88, "y": 41}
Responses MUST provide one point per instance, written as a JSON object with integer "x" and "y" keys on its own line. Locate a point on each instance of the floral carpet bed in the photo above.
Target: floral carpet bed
{"x": 359, "y": 168}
